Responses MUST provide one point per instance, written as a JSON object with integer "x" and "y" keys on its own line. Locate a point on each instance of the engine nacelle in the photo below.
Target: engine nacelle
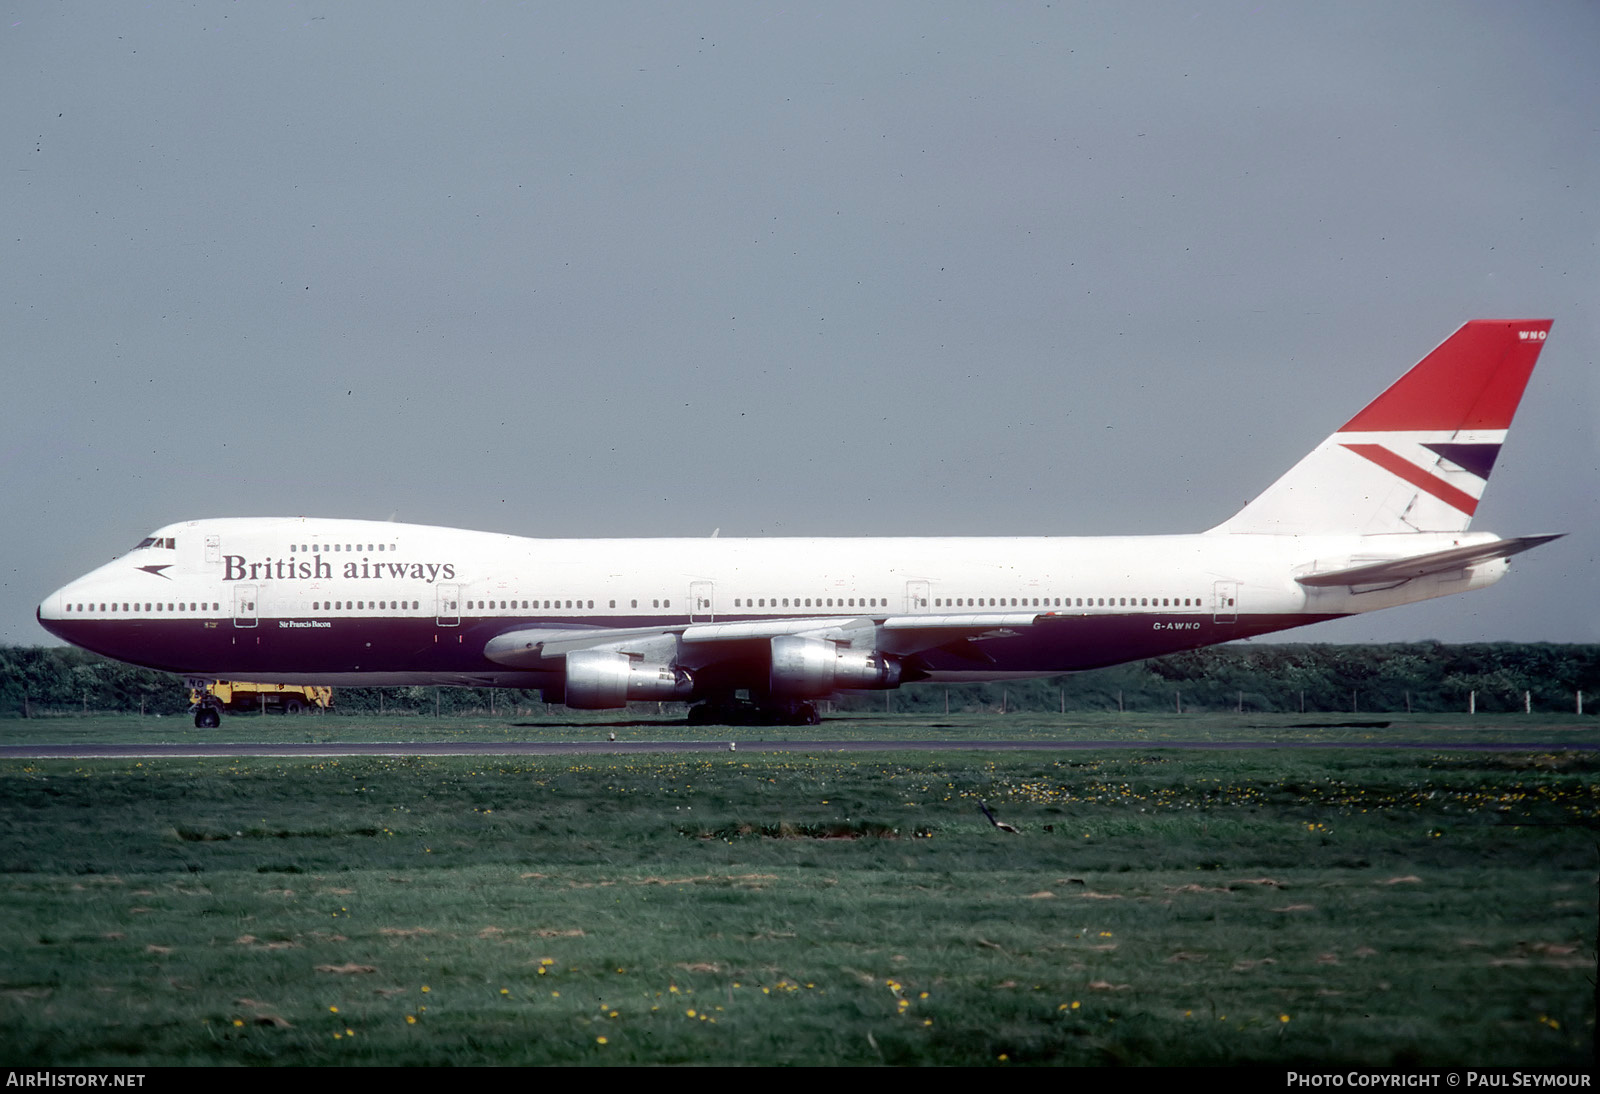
{"x": 811, "y": 668}
{"x": 605, "y": 680}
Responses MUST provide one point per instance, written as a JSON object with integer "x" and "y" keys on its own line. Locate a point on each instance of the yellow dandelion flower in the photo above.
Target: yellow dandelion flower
{"x": 425, "y": 989}
{"x": 411, "y": 1019}
{"x": 333, "y": 1010}
{"x": 1283, "y": 1017}
{"x": 240, "y": 1021}
{"x": 505, "y": 991}
{"x": 600, "y": 1041}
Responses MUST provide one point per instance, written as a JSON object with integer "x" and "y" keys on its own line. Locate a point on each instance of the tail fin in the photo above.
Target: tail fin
{"x": 1418, "y": 457}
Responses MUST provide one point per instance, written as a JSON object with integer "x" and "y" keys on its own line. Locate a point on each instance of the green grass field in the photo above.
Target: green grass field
{"x": 1367, "y": 906}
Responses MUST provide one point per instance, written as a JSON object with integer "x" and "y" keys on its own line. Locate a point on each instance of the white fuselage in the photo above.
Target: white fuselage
{"x": 1375, "y": 516}
{"x": 341, "y": 601}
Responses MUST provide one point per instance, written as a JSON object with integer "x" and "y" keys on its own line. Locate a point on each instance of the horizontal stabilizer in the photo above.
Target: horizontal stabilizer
{"x": 1436, "y": 562}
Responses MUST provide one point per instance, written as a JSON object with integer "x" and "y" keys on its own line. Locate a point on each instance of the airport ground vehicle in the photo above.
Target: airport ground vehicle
{"x": 207, "y": 700}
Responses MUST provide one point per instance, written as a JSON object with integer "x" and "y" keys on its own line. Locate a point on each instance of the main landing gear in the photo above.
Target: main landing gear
{"x": 732, "y": 711}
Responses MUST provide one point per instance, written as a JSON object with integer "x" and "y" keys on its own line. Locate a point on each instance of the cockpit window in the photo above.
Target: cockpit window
{"x": 169, "y": 542}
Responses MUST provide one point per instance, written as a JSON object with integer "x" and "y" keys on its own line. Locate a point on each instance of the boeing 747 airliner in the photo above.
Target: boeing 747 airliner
{"x": 758, "y": 629}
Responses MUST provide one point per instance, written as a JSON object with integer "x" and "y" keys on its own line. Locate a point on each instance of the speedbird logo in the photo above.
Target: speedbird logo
{"x": 240, "y": 568}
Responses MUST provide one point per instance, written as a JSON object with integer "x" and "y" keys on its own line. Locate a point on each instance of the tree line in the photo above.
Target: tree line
{"x": 1425, "y": 677}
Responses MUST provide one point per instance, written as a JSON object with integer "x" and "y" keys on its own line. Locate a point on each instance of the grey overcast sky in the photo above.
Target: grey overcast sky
{"x": 647, "y": 269}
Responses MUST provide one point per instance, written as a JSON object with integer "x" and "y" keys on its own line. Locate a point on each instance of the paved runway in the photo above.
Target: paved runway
{"x": 623, "y": 748}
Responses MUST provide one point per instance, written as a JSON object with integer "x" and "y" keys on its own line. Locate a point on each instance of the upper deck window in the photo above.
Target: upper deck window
{"x": 168, "y": 542}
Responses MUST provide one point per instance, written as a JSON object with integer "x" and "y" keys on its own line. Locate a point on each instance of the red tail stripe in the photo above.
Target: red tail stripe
{"x": 1416, "y": 476}
{"x": 1473, "y": 380}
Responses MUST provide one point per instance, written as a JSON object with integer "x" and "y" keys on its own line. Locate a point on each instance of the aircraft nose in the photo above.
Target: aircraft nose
{"x": 49, "y": 612}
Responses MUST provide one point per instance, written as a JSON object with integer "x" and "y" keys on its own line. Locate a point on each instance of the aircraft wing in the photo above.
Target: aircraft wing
{"x": 908, "y": 634}
{"x": 528, "y": 647}
{"x": 1437, "y": 562}
{"x": 538, "y": 647}
{"x": 898, "y": 634}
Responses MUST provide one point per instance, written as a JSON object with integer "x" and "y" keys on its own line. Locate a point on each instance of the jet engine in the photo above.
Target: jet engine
{"x": 604, "y": 680}
{"x": 809, "y": 668}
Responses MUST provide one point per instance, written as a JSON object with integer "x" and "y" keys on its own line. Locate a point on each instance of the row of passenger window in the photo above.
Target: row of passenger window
{"x": 821, "y": 602}
{"x": 1068, "y": 602}
{"x": 981, "y": 602}
{"x": 868, "y": 602}
{"x": 336, "y": 548}
{"x": 739, "y": 602}
{"x": 361, "y": 605}
{"x": 534, "y": 605}
{"x": 316, "y": 606}
{"x": 108, "y": 608}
